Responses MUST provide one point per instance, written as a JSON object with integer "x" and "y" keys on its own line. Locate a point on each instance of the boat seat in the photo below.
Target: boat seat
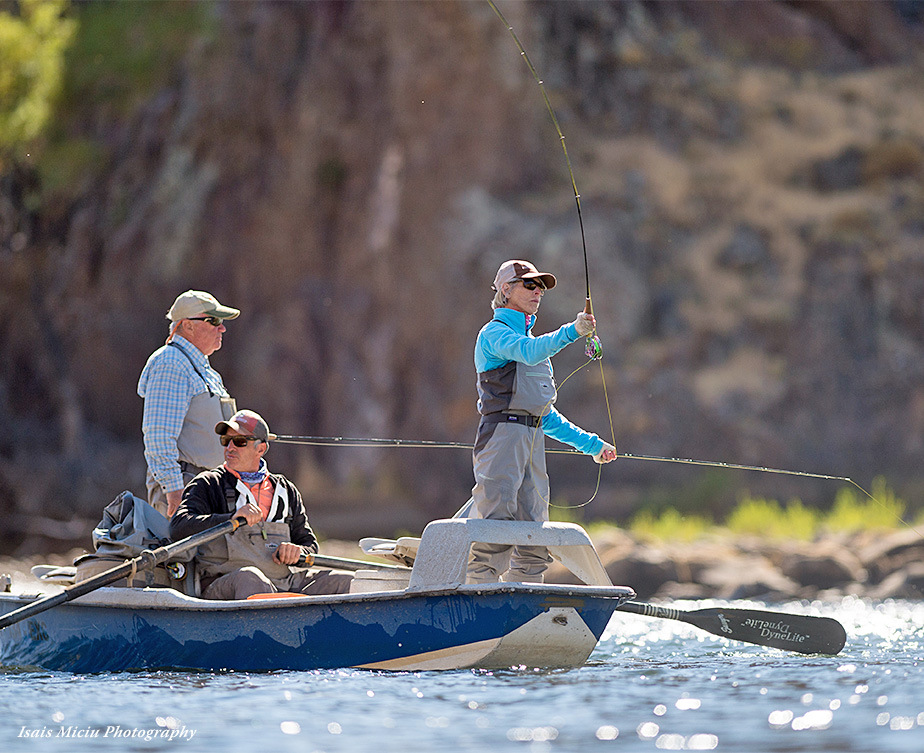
{"x": 443, "y": 551}
{"x": 187, "y": 583}
{"x": 62, "y": 575}
{"x": 403, "y": 551}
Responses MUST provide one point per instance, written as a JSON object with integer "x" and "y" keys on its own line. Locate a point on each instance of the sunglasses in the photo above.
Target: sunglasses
{"x": 239, "y": 441}
{"x": 215, "y": 321}
{"x": 533, "y": 284}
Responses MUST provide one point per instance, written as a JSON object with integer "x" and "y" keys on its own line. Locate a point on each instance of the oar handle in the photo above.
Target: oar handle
{"x": 343, "y": 563}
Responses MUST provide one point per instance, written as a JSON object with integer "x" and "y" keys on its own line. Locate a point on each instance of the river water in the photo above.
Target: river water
{"x": 650, "y": 685}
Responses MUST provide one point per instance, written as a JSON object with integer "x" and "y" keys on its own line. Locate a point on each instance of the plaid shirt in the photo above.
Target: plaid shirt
{"x": 172, "y": 377}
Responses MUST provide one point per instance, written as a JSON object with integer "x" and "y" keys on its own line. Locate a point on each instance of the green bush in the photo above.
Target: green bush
{"x": 125, "y": 51}
{"x": 670, "y": 525}
{"x": 32, "y": 48}
{"x": 851, "y": 513}
{"x": 756, "y": 516}
{"x": 763, "y": 517}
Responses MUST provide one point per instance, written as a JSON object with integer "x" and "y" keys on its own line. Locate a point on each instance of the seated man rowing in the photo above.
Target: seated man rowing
{"x": 257, "y": 558}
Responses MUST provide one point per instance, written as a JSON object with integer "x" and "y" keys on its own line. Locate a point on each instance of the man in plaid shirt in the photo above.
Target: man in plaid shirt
{"x": 184, "y": 397}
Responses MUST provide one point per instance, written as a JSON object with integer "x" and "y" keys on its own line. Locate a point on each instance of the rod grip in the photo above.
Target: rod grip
{"x": 587, "y": 309}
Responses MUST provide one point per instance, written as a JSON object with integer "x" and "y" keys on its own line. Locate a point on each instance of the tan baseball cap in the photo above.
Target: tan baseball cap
{"x": 248, "y": 423}
{"x": 199, "y": 303}
{"x": 517, "y": 269}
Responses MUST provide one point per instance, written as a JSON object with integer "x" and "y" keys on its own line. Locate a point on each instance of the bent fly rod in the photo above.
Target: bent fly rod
{"x": 593, "y": 348}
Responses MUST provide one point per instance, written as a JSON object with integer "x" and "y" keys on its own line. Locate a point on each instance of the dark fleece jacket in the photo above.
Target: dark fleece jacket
{"x": 206, "y": 504}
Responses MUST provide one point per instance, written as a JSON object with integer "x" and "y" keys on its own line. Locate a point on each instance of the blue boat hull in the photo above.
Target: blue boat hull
{"x": 469, "y": 627}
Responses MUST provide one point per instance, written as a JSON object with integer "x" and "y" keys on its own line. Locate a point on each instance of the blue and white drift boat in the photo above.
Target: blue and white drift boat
{"x": 422, "y": 618}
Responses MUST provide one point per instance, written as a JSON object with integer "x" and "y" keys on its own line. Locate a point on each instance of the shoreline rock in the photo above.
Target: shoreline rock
{"x": 883, "y": 565}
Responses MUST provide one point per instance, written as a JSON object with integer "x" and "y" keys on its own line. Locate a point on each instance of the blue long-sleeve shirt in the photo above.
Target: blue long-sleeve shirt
{"x": 508, "y": 337}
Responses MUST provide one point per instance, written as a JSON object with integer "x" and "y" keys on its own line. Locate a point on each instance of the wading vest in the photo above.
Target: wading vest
{"x": 517, "y": 388}
{"x": 249, "y": 545}
{"x": 198, "y": 443}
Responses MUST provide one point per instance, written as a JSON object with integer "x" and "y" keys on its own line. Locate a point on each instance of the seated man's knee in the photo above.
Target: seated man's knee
{"x": 254, "y": 575}
{"x": 240, "y": 584}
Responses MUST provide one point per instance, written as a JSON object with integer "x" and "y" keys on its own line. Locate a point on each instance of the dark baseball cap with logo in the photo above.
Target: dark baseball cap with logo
{"x": 248, "y": 423}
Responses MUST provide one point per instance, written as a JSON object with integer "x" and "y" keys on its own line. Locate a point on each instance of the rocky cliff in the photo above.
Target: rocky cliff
{"x": 350, "y": 174}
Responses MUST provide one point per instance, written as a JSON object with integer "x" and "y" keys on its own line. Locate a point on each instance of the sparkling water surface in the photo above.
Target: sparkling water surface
{"x": 650, "y": 685}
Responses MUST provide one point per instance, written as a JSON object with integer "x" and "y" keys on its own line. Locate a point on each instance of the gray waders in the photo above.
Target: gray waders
{"x": 511, "y": 482}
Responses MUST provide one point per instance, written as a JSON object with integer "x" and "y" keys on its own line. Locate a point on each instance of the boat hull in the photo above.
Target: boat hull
{"x": 492, "y": 626}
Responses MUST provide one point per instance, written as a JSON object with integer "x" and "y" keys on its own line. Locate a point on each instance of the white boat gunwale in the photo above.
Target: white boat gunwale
{"x": 163, "y": 598}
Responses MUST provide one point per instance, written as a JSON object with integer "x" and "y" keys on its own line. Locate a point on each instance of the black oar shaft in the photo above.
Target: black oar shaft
{"x": 343, "y": 563}
{"x": 144, "y": 561}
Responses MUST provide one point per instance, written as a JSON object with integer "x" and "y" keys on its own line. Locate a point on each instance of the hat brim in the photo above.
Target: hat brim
{"x": 546, "y": 278}
{"x": 223, "y": 312}
{"x": 222, "y": 427}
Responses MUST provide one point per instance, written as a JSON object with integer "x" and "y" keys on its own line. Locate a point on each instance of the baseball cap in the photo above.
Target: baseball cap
{"x": 199, "y": 303}
{"x": 248, "y": 423}
{"x": 517, "y": 269}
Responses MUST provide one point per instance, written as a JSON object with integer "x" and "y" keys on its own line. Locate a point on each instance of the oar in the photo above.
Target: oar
{"x": 144, "y": 561}
{"x": 792, "y": 632}
{"x": 342, "y": 563}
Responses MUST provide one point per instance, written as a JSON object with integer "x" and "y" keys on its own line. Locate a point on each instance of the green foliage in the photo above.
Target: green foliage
{"x": 561, "y": 511}
{"x": 851, "y": 513}
{"x": 765, "y": 517}
{"x": 769, "y": 519}
{"x": 32, "y": 47}
{"x": 65, "y": 164}
{"x": 712, "y": 490}
{"x": 119, "y": 55}
{"x": 124, "y": 51}
{"x": 670, "y": 525}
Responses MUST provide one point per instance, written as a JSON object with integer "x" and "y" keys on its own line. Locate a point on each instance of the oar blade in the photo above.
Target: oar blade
{"x": 804, "y": 634}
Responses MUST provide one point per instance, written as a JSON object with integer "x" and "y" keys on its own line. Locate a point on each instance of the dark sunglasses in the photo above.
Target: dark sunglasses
{"x": 239, "y": 441}
{"x": 215, "y": 321}
{"x": 532, "y": 284}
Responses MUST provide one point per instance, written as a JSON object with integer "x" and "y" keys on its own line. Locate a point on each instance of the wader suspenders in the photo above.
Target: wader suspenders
{"x": 196, "y": 369}
{"x": 231, "y": 498}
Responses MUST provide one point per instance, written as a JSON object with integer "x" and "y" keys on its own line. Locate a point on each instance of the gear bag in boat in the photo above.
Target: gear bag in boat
{"x": 128, "y": 527}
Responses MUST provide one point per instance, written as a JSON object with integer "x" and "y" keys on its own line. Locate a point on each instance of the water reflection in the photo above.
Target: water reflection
{"x": 650, "y": 685}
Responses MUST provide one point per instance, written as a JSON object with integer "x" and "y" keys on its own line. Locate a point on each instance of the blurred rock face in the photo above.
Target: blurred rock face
{"x": 350, "y": 175}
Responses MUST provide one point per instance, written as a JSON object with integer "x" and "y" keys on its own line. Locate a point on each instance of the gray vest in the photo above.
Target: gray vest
{"x": 249, "y": 545}
{"x": 517, "y": 388}
{"x": 198, "y": 443}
